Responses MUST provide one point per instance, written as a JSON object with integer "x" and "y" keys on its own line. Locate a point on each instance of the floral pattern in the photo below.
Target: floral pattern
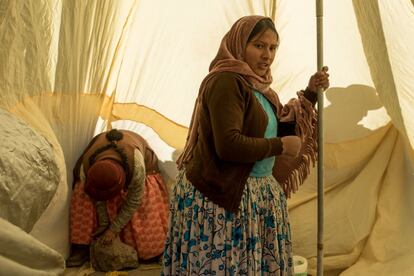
{"x": 205, "y": 239}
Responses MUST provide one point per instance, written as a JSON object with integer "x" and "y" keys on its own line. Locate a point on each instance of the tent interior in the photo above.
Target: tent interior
{"x": 72, "y": 69}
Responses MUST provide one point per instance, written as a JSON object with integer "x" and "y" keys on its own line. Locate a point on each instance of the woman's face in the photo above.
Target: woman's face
{"x": 260, "y": 51}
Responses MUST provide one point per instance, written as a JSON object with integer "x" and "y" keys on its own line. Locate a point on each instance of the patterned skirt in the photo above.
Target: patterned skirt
{"x": 147, "y": 229}
{"x": 205, "y": 239}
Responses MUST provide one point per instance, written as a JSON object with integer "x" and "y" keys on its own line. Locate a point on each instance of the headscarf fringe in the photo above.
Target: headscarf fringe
{"x": 292, "y": 173}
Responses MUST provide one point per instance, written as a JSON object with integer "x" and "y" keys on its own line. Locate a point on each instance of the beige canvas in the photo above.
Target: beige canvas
{"x": 70, "y": 69}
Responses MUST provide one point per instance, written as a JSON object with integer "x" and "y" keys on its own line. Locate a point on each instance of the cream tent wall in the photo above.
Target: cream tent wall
{"x": 69, "y": 69}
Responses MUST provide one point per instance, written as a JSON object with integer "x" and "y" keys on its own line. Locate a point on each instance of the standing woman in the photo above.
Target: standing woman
{"x": 244, "y": 154}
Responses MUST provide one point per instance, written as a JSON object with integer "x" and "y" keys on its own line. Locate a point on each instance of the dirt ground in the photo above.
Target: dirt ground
{"x": 143, "y": 270}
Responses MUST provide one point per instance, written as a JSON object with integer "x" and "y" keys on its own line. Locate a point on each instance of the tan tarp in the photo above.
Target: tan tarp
{"x": 22, "y": 254}
{"x": 71, "y": 68}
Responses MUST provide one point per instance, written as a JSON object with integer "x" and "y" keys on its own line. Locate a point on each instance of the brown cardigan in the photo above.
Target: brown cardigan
{"x": 128, "y": 144}
{"x": 232, "y": 126}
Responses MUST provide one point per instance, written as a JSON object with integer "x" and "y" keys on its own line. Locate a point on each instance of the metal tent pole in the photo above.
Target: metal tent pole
{"x": 319, "y": 34}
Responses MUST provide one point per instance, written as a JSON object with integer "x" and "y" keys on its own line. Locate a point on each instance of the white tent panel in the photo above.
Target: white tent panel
{"x": 71, "y": 68}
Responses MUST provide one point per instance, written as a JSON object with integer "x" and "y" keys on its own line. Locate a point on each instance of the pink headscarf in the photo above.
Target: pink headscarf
{"x": 230, "y": 56}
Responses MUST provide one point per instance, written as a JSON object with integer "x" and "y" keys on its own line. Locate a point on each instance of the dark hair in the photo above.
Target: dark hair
{"x": 113, "y": 136}
{"x": 262, "y": 26}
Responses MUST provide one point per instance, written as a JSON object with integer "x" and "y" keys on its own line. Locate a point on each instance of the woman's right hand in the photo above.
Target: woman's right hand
{"x": 291, "y": 145}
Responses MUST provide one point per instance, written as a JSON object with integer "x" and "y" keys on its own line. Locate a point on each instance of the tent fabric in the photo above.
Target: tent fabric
{"x": 28, "y": 167}
{"x": 70, "y": 69}
{"x": 22, "y": 254}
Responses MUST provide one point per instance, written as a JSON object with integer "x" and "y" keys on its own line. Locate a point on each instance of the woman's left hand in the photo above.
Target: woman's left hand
{"x": 319, "y": 80}
{"x": 107, "y": 237}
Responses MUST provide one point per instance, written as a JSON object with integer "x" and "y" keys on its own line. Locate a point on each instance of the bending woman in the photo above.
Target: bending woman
{"x": 118, "y": 191}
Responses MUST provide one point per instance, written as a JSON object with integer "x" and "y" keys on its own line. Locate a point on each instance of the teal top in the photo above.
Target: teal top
{"x": 264, "y": 167}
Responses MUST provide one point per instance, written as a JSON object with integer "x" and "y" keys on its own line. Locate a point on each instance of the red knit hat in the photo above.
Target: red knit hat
{"x": 105, "y": 179}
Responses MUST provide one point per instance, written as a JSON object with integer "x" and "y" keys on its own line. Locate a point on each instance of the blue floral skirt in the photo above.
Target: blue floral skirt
{"x": 205, "y": 239}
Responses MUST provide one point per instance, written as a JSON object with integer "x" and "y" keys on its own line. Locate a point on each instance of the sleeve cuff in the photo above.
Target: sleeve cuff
{"x": 310, "y": 96}
{"x": 277, "y": 146}
{"x": 114, "y": 228}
